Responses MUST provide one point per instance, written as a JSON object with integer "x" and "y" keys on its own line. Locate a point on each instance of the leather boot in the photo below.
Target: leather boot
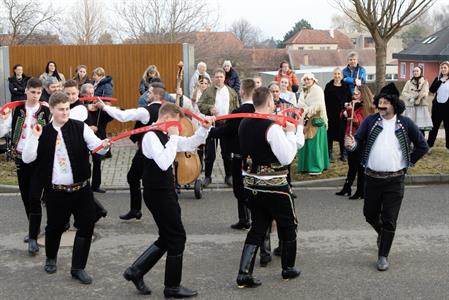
{"x": 50, "y": 265}
{"x": 346, "y": 190}
{"x": 132, "y": 214}
{"x": 141, "y": 266}
{"x": 34, "y": 228}
{"x": 245, "y": 277}
{"x": 173, "y": 274}
{"x": 386, "y": 240}
{"x": 357, "y": 195}
{"x": 100, "y": 211}
{"x": 51, "y": 252}
{"x": 265, "y": 249}
{"x": 80, "y": 254}
{"x": 243, "y": 222}
{"x": 288, "y": 259}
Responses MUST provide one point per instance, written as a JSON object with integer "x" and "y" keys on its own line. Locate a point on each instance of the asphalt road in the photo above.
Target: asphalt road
{"x": 336, "y": 252}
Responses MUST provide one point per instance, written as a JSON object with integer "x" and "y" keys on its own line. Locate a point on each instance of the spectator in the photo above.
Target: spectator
{"x": 103, "y": 84}
{"x": 51, "y": 71}
{"x": 313, "y": 157}
{"x": 51, "y": 85}
{"x": 354, "y": 74}
{"x": 440, "y": 105}
{"x": 150, "y": 73}
{"x": 336, "y": 94}
{"x": 201, "y": 71}
{"x": 17, "y": 83}
{"x": 201, "y": 86}
{"x": 81, "y": 76}
{"x": 143, "y": 99}
{"x": 231, "y": 76}
{"x": 284, "y": 70}
{"x": 414, "y": 95}
{"x": 286, "y": 94}
{"x": 259, "y": 82}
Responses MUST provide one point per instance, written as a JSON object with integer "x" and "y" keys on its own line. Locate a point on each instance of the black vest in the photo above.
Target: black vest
{"x": 75, "y": 104}
{"x": 153, "y": 110}
{"x": 72, "y": 133}
{"x": 253, "y": 141}
{"x": 18, "y": 119}
{"x": 153, "y": 177}
{"x": 234, "y": 143}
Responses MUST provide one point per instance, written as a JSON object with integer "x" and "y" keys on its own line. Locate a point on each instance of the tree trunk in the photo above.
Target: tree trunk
{"x": 381, "y": 58}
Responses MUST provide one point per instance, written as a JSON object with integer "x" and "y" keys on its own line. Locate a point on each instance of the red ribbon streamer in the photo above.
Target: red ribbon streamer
{"x": 296, "y": 111}
{"x": 162, "y": 126}
{"x": 96, "y": 98}
{"x": 11, "y": 105}
{"x": 279, "y": 119}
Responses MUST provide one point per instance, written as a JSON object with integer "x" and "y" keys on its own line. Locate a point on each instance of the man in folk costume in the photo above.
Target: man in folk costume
{"x": 78, "y": 111}
{"x": 143, "y": 116}
{"x": 21, "y": 123}
{"x": 159, "y": 150}
{"x": 268, "y": 150}
{"x": 386, "y": 133}
{"x": 60, "y": 151}
{"x": 230, "y": 131}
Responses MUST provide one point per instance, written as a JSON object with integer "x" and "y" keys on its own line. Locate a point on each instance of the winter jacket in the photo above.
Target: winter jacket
{"x": 350, "y": 75}
{"x": 232, "y": 80}
{"x": 294, "y": 82}
{"x": 104, "y": 87}
{"x": 17, "y": 87}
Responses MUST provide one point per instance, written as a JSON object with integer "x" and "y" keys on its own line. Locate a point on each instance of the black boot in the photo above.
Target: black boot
{"x": 100, "y": 211}
{"x": 288, "y": 258}
{"x": 346, "y": 190}
{"x": 132, "y": 214}
{"x": 34, "y": 228}
{"x": 244, "y": 217}
{"x": 265, "y": 249}
{"x": 141, "y": 266}
{"x": 50, "y": 265}
{"x": 245, "y": 277}
{"x": 51, "y": 251}
{"x": 386, "y": 240}
{"x": 357, "y": 195}
{"x": 80, "y": 254}
{"x": 173, "y": 274}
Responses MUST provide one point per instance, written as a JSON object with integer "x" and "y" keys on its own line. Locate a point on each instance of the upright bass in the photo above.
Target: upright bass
{"x": 188, "y": 163}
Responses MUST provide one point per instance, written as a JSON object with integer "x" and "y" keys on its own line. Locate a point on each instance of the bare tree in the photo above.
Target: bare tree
{"x": 23, "y": 18}
{"x": 384, "y": 19}
{"x": 105, "y": 38}
{"x": 441, "y": 17}
{"x": 346, "y": 24}
{"x": 248, "y": 34}
{"x": 154, "y": 21}
{"x": 85, "y": 21}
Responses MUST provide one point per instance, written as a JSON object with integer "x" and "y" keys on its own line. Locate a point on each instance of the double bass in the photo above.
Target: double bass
{"x": 188, "y": 164}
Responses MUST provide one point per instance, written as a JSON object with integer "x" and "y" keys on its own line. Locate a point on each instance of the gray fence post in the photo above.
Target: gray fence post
{"x": 188, "y": 57}
{"x": 5, "y": 95}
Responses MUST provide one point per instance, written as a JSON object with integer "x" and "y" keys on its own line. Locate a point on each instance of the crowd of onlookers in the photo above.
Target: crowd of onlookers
{"x": 331, "y": 113}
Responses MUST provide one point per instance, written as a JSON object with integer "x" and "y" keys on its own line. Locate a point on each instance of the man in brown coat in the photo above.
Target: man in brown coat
{"x": 217, "y": 100}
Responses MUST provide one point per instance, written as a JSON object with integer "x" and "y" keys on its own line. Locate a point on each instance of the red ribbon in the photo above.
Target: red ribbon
{"x": 11, "y": 105}
{"x": 279, "y": 119}
{"x": 96, "y": 98}
{"x": 162, "y": 126}
{"x": 296, "y": 111}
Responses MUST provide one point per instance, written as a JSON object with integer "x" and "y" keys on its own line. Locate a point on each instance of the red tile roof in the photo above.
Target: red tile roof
{"x": 314, "y": 36}
{"x": 367, "y": 57}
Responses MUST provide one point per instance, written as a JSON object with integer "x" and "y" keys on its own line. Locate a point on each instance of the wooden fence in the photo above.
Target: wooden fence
{"x": 125, "y": 63}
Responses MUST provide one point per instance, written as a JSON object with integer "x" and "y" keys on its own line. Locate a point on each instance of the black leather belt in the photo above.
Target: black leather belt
{"x": 377, "y": 174}
{"x": 70, "y": 188}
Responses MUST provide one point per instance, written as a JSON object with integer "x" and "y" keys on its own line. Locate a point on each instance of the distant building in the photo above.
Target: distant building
{"x": 364, "y": 40}
{"x": 34, "y": 39}
{"x": 427, "y": 53}
{"x": 313, "y": 39}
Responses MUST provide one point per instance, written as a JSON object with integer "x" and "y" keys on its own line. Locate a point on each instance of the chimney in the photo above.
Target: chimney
{"x": 306, "y": 59}
{"x": 332, "y": 33}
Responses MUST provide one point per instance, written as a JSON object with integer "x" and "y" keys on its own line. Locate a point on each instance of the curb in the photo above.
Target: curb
{"x": 328, "y": 182}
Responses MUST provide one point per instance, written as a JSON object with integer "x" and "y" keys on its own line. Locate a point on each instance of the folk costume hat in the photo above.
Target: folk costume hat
{"x": 391, "y": 93}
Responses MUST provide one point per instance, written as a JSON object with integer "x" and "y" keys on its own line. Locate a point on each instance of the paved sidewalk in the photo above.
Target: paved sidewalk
{"x": 114, "y": 169}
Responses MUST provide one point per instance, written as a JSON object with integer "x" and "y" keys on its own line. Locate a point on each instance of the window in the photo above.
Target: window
{"x": 403, "y": 70}
{"x": 412, "y": 66}
{"x": 429, "y": 40}
{"x": 370, "y": 77}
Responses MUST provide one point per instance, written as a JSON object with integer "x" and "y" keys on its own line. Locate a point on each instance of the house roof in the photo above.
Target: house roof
{"x": 268, "y": 58}
{"x": 434, "y": 47}
{"x": 315, "y": 36}
{"x": 325, "y": 58}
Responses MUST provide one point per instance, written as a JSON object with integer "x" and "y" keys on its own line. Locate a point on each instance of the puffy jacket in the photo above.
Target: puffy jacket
{"x": 104, "y": 87}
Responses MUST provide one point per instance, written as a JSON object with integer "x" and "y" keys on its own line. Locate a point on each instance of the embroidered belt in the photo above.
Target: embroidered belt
{"x": 71, "y": 187}
{"x": 273, "y": 169}
{"x": 253, "y": 181}
{"x": 377, "y": 174}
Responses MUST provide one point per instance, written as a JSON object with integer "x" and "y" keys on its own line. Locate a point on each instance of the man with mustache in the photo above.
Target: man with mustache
{"x": 386, "y": 134}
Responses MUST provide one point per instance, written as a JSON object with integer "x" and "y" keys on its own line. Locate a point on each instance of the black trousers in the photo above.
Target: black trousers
{"x": 209, "y": 156}
{"x": 163, "y": 205}
{"x": 356, "y": 168}
{"x": 440, "y": 113}
{"x": 30, "y": 190}
{"x": 60, "y": 205}
{"x": 96, "y": 170}
{"x": 239, "y": 190}
{"x": 134, "y": 177}
{"x": 266, "y": 204}
{"x": 383, "y": 198}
